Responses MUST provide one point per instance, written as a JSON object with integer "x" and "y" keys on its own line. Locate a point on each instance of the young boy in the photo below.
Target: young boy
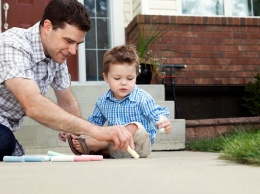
{"x": 124, "y": 104}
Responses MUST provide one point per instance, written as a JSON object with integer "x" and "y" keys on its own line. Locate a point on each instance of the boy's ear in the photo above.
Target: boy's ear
{"x": 105, "y": 77}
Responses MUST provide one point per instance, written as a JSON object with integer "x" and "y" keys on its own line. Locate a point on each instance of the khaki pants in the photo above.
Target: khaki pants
{"x": 142, "y": 144}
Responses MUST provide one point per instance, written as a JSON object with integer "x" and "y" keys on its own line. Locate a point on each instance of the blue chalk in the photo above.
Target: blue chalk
{"x": 34, "y": 158}
{"x": 13, "y": 159}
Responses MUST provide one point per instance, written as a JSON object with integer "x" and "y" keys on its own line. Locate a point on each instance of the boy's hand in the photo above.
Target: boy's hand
{"x": 166, "y": 124}
{"x": 63, "y": 136}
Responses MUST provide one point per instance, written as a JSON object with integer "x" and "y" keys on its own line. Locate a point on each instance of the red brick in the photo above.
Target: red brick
{"x": 203, "y": 81}
{"x": 200, "y": 54}
{"x": 204, "y": 132}
{"x": 232, "y": 54}
{"x": 216, "y": 54}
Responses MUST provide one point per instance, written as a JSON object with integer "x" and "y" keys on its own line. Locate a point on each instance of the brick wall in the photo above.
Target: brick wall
{"x": 217, "y": 50}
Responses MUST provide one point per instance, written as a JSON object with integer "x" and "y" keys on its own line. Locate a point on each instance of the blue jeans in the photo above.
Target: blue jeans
{"x": 7, "y": 142}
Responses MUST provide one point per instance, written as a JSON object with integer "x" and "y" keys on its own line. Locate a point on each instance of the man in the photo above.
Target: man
{"x": 32, "y": 60}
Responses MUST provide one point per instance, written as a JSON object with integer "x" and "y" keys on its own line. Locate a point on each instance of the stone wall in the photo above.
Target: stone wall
{"x": 217, "y": 50}
{"x": 206, "y": 128}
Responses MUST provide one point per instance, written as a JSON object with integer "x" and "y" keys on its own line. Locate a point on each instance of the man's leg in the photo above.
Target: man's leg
{"x": 7, "y": 142}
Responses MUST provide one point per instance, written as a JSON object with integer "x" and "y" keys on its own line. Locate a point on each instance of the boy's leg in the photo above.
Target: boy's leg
{"x": 141, "y": 140}
{"x": 7, "y": 142}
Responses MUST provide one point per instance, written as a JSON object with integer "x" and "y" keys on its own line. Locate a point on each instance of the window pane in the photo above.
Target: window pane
{"x": 101, "y": 8}
{"x": 255, "y": 7}
{"x": 90, "y": 5}
{"x": 102, "y": 34}
{"x": 100, "y": 64}
{"x": 240, "y": 8}
{"x": 97, "y": 40}
{"x": 91, "y": 67}
{"x": 202, "y": 7}
{"x": 90, "y": 40}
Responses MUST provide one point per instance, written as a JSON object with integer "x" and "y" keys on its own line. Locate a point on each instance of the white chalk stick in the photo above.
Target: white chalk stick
{"x": 161, "y": 130}
{"x": 82, "y": 158}
{"x": 46, "y": 158}
{"x": 132, "y": 152}
{"x": 51, "y": 153}
{"x": 62, "y": 158}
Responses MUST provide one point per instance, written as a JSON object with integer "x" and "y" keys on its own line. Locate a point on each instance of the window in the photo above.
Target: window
{"x": 97, "y": 40}
{"x": 200, "y": 7}
{"x": 240, "y": 8}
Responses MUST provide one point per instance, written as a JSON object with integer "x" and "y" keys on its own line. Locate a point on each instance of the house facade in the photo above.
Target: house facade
{"x": 110, "y": 18}
{"x": 218, "y": 40}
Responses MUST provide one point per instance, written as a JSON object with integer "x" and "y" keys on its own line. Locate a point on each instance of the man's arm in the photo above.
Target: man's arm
{"x": 67, "y": 101}
{"x": 48, "y": 113}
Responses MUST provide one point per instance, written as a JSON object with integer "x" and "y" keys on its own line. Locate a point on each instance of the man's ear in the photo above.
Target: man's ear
{"x": 105, "y": 77}
{"x": 47, "y": 26}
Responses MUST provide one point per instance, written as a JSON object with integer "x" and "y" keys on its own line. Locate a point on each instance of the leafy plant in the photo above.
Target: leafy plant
{"x": 146, "y": 35}
{"x": 252, "y": 96}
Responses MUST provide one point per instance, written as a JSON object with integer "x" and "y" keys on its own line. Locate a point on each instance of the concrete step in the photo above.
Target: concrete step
{"x": 88, "y": 107}
{"x": 91, "y": 92}
{"x": 38, "y": 139}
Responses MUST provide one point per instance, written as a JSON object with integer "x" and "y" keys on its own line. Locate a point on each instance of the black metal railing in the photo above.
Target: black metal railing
{"x": 168, "y": 79}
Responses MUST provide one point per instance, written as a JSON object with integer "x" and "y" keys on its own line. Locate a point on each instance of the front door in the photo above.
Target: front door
{"x": 25, "y": 13}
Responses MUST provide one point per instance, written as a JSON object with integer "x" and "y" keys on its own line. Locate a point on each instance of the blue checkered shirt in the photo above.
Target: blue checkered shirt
{"x": 139, "y": 106}
{"x": 22, "y": 55}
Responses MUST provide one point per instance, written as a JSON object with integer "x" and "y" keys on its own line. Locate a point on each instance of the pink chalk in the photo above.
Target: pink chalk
{"x": 81, "y": 158}
{"x": 94, "y": 157}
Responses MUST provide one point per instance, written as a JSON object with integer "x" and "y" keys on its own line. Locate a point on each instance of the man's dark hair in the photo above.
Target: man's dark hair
{"x": 60, "y": 12}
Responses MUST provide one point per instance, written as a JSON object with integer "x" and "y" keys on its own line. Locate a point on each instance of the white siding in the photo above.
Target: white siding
{"x": 162, "y": 7}
{"x": 149, "y": 7}
{"x": 136, "y": 7}
{"x": 128, "y": 11}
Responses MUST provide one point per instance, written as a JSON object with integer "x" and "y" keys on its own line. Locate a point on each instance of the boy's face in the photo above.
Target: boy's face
{"x": 121, "y": 79}
{"x": 59, "y": 44}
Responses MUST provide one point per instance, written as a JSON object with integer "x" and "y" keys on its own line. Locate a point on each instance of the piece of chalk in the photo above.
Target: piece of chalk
{"x": 13, "y": 159}
{"x": 94, "y": 157}
{"x": 132, "y": 152}
{"x": 62, "y": 158}
{"x": 46, "y": 158}
{"x": 51, "y": 153}
{"x": 161, "y": 130}
{"x": 33, "y": 158}
{"x": 82, "y": 158}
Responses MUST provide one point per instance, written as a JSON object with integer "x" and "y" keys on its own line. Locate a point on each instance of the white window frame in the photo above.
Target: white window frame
{"x": 117, "y": 33}
{"x": 227, "y": 9}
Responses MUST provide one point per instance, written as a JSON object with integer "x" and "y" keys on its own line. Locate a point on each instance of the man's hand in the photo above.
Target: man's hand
{"x": 118, "y": 135}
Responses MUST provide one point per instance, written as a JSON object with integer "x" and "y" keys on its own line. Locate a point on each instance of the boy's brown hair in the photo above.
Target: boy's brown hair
{"x": 121, "y": 54}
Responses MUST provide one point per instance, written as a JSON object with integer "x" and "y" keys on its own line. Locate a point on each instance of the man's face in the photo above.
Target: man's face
{"x": 59, "y": 44}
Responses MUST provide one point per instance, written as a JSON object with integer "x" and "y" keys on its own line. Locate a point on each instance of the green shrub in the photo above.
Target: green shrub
{"x": 252, "y": 96}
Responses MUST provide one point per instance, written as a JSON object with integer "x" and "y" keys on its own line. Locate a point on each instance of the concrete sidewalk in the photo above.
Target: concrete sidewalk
{"x": 177, "y": 172}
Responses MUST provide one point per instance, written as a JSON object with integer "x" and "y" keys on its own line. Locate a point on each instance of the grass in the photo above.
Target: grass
{"x": 242, "y": 145}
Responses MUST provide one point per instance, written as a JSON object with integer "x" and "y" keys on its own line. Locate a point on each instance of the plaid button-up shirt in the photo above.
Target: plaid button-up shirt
{"x": 22, "y": 55}
{"x": 139, "y": 106}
